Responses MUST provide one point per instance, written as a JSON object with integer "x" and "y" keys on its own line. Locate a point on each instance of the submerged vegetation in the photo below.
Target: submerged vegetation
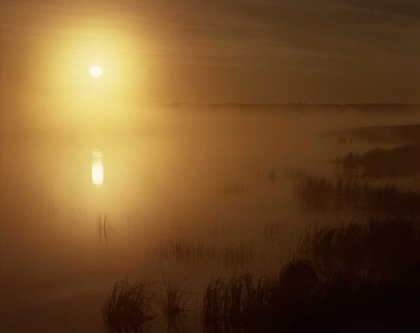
{"x": 173, "y": 303}
{"x": 129, "y": 306}
{"x": 181, "y": 250}
{"x": 104, "y": 226}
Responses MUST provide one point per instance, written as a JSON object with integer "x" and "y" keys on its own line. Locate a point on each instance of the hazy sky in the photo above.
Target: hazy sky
{"x": 309, "y": 51}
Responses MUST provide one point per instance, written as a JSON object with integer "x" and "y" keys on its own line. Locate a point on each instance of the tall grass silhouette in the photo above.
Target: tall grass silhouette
{"x": 235, "y": 302}
{"x": 173, "y": 303}
{"x": 241, "y": 303}
{"x": 129, "y": 306}
{"x": 271, "y": 230}
{"x": 377, "y": 249}
{"x": 338, "y": 274}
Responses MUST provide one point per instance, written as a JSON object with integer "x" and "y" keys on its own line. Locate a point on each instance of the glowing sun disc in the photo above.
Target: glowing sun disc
{"x": 96, "y": 71}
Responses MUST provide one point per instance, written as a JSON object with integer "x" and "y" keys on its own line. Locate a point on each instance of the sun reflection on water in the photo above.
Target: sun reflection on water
{"x": 97, "y": 167}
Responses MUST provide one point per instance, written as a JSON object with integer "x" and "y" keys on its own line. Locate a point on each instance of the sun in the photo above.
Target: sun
{"x": 96, "y": 71}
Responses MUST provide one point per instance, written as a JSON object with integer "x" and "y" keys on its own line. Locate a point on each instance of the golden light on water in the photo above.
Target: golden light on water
{"x": 96, "y": 71}
{"x": 97, "y": 167}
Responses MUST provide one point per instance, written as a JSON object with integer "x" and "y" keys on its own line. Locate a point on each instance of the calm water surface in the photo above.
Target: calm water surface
{"x": 80, "y": 211}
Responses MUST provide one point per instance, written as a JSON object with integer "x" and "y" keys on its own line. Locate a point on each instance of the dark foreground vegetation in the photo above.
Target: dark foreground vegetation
{"x": 362, "y": 276}
{"x": 129, "y": 306}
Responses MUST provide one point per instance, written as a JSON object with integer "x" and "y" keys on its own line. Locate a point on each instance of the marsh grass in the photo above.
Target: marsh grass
{"x": 334, "y": 272}
{"x": 181, "y": 250}
{"x": 231, "y": 190}
{"x": 241, "y": 303}
{"x": 228, "y": 302}
{"x": 271, "y": 230}
{"x": 338, "y": 274}
{"x": 401, "y": 161}
{"x": 173, "y": 304}
{"x": 377, "y": 249}
{"x": 320, "y": 194}
{"x": 129, "y": 306}
{"x": 366, "y": 268}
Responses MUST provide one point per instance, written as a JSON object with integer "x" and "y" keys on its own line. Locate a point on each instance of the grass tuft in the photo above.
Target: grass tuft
{"x": 235, "y": 301}
{"x": 173, "y": 303}
{"x": 128, "y": 307}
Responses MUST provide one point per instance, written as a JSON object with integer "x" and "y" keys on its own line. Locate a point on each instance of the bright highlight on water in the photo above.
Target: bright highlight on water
{"x": 97, "y": 167}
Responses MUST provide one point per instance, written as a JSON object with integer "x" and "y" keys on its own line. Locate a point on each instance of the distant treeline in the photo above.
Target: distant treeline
{"x": 366, "y": 107}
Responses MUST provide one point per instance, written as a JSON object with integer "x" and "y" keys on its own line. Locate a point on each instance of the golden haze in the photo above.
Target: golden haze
{"x": 60, "y": 93}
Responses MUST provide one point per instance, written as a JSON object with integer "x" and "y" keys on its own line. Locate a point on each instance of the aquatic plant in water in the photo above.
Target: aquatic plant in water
{"x": 129, "y": 306}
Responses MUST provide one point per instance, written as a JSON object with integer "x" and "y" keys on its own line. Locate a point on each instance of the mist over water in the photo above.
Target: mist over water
{"x": 192, "y": 193}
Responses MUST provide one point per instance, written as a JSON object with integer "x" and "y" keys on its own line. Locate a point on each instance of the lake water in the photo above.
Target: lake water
{"x": 81, "y": 211}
